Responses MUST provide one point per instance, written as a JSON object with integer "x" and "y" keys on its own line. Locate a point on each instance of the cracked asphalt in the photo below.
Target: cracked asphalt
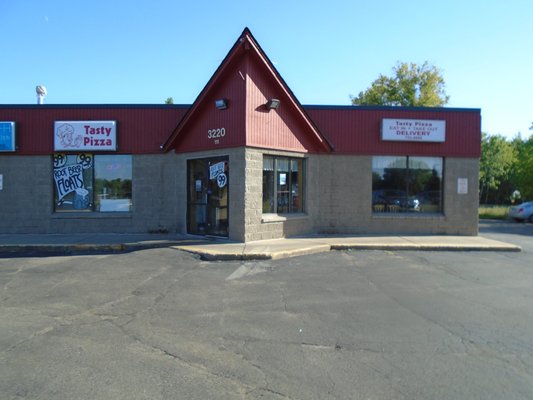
{"x": 162, "y": 324}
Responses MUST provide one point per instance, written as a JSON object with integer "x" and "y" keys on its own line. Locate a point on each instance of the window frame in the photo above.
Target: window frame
{"x": 409, "y": 201}
{"x": 276, "y": 177}
{"x": 90, "y": 202}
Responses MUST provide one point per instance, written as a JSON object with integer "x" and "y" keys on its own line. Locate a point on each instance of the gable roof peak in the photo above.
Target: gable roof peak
{"x": 247, "y": 42}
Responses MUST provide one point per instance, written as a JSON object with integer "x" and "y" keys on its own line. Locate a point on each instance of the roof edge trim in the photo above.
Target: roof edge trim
{"x": 388, "y": 108}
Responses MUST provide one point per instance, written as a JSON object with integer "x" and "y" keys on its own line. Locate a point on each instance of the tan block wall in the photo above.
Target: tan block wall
{"x": 259, "y": 228}
{"x": 346, "y": 192}
{"x": 26, "y": 199}
{"x": 154, "y": 207}
{"x": 461, "y": 210}
{"x": 337, "y": 198}
{"x": 339, "y": 195}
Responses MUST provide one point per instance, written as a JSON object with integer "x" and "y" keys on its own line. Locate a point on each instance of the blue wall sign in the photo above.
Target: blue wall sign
{"x": 7, "y": 136}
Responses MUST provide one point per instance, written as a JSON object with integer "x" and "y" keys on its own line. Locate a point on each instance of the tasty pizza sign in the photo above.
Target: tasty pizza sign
{"x": 85, "y": 136}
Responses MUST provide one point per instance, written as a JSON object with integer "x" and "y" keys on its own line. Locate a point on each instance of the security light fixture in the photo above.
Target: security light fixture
{"x": 272, "y": 104}
{"x": 221, "y": 104}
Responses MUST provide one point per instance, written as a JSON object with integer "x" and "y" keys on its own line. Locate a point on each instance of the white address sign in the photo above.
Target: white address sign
{"x": 216, "y": 133}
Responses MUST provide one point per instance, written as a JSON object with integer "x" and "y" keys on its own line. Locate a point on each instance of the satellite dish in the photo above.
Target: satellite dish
{"x": 41, "y": 93}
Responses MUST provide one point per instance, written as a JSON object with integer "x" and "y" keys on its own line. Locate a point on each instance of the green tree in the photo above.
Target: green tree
{"x": 169, "y": 100}
{"x": 496, "y": 166}
{"x": 524, "y": 169}
{"x": 411, "y": 85}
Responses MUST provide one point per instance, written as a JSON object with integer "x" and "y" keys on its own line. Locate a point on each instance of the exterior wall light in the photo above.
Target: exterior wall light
{"x": 221, "y": 104}
{"x": 273, "y": 104}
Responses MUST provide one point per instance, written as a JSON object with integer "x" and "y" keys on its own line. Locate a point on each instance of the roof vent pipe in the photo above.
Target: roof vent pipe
{"x": 41, "y": 93}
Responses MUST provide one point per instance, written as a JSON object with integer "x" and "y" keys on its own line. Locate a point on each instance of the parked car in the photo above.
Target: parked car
{"x": 522, "y": 212}
{"x": 392, "y": 197}
{"x": 429, "y": 197}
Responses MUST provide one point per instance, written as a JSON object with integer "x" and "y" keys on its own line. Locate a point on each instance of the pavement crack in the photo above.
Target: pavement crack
{"x": 466, "y": 342}
{"x": 202, "y": 368}
{"x": 283, "y": 296}
{"x": 271, "y": 391}
{"x": 13, "y": 276}
{"x": 317, "y": 346}
{"x": 32, "y": 336}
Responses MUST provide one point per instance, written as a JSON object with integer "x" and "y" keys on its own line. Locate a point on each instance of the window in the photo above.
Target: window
{"x": 86, "y": 182}
{"x": 407, "y": 184}
{"x": 283, "y": 185}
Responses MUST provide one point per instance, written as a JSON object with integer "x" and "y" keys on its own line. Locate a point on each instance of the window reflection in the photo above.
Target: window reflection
{"x": 87, "y": 182}
{"x": 407, "y": 184}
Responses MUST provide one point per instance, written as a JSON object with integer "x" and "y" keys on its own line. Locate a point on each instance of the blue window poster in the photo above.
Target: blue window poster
{"x": 7, "y": 136}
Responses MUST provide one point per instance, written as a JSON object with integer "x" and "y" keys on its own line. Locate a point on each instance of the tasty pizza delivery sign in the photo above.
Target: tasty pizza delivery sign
{"x": 85, "y": 136}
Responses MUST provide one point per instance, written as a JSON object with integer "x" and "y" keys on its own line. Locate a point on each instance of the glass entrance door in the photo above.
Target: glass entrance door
{"x": 207, "y": 197}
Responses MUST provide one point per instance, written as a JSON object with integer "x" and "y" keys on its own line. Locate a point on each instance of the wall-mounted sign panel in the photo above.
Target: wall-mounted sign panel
{"x": 462, "y": 185}
{"x": 413, "y": 130}
{"x": 7, "y": 136}
{"x": 216, "y": 169}
{"x": 85, "y": 136}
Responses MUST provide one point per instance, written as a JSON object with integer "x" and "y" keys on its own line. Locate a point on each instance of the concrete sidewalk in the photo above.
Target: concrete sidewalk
{"x": 290, "y": 247}
{"x": 221, "y": 249}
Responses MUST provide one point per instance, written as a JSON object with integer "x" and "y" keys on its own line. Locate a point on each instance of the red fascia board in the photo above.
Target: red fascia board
{"x": 232, "y": 54}
{"x": 35, "y": 121}
{"x": 356, "y": 129}
{"x": 324, "y": 141}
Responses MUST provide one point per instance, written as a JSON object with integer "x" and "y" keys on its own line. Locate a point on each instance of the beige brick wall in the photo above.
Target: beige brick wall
{"x": 339, "y": 195}
{"x": 354, "y": 213}
{"x": 28, "y": 193}
{"x": 26, "y": 199}
{"x": 344, "y": 193}
{"x": 461, "y": 210}
{"x": 257, "y": 227}
{"x": 154, "y": 207}
{"x": 337, "y": 198}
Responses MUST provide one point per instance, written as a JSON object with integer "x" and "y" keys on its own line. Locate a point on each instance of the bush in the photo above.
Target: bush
{"x": 493, "y": 212}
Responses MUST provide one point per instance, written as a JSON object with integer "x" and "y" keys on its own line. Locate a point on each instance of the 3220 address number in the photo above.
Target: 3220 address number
{"x": 216, "y": 133}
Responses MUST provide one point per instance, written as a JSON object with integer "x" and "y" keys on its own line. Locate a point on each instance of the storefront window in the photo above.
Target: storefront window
{"x": 407, "y": 184}
{"x": 282, "y": 185}
{"x": 87, "y": 182}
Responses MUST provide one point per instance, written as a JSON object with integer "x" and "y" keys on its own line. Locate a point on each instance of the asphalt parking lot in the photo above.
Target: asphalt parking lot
{"x": 162, "y": 324}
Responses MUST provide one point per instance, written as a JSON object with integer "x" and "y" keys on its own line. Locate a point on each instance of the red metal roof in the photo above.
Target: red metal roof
{"x": 357, "y": 130}
{"x": 141, "y": 129}
{"x": 351, "y": 130}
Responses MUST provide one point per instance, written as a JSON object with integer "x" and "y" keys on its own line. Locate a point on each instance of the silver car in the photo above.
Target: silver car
{"x": 522, "y": 212}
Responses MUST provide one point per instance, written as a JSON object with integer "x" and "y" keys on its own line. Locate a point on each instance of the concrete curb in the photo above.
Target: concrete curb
{"x": 60, "y": 249}
{"x": 427, "y": 247}
{"x": 244, "y": 252}
{"x": 75, "y": 249}
{"x": 213, "y": 255}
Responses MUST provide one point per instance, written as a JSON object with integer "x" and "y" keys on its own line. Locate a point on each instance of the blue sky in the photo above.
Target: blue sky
{"x": 140, "y": 51}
